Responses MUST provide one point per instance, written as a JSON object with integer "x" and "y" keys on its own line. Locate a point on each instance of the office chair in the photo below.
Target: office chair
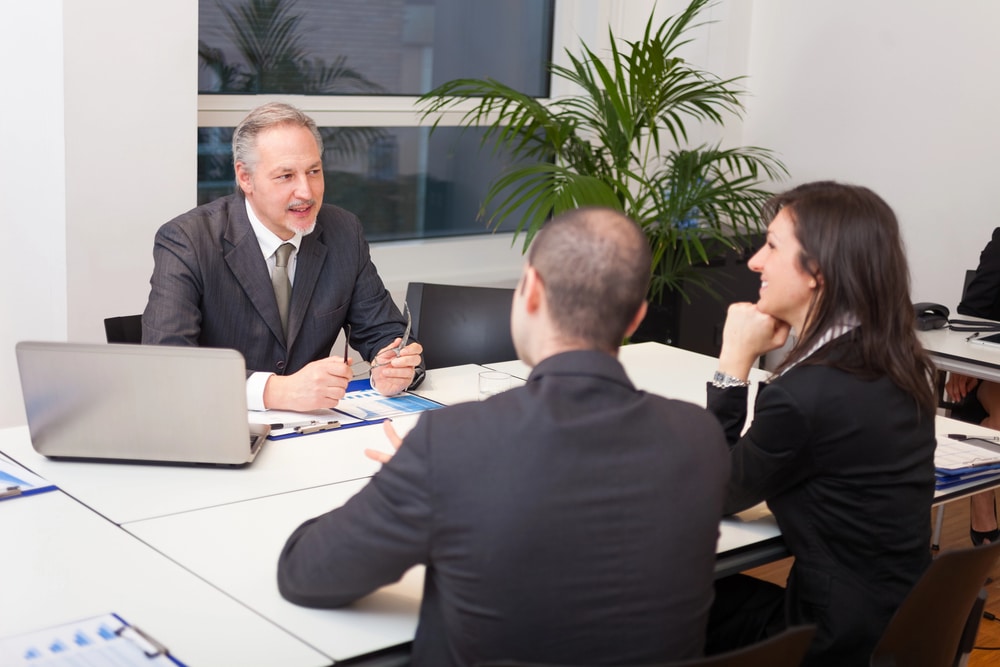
{"x": 458, "y": 324}
{"x": 124, "y": 329}
{"x": 936, "y": 624}
{"x": 782, "y": 650}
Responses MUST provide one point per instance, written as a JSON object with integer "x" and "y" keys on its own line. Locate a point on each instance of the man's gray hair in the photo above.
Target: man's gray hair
{"x": 263, "y": 118}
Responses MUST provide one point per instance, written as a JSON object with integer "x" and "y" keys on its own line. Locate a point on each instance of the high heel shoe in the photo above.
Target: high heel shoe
{"x": 980, "y": 536}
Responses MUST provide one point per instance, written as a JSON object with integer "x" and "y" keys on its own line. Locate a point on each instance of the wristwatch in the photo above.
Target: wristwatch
{"x": 725, "y": 381}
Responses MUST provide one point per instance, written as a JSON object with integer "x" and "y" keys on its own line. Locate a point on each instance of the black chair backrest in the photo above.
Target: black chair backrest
{"x": 124, "y": 329}
{"x": 458, "y": 324}
{"x": 969, "y": 275}
{"x": 786, "y": 649}
{"x": 927, "y": 629}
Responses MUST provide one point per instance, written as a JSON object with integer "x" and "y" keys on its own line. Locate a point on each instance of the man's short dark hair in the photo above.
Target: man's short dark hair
{"x": 595, "y": 266}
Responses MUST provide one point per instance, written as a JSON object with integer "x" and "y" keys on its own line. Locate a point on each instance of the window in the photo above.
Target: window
{"x": 356, "y": 66}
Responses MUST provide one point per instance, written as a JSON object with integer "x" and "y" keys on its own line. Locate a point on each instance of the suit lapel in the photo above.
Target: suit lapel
{"x": 312, "y": 255}
{"x": 244, "y": 259}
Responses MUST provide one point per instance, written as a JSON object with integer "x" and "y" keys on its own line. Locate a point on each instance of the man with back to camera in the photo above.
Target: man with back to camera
{"x": 571, "y": 520}
{"x": 212, "y": 280}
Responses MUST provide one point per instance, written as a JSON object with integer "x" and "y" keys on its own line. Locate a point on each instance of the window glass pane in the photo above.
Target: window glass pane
{"x": 366, "y": 47}
{"x": 403, "y": 183}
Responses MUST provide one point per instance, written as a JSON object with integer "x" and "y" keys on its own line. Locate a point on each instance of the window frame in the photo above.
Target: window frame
{"x": 573, "y": 21}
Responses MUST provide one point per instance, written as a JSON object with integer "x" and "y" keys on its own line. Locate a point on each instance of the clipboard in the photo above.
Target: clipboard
{"x": 361, "y": 406}
{"x": 16, "y": 481}
{"x": 106, "y": 639}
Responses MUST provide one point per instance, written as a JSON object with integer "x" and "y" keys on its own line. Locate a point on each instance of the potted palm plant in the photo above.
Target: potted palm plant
{"x": 622, "y": 141}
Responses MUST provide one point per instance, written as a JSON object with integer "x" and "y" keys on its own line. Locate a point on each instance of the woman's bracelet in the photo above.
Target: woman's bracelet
{"x": 725, "y": 381}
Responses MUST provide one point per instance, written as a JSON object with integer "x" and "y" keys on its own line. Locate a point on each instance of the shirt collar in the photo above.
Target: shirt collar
{"x": 838, "y": 329}
{"x": 268, "y": 240}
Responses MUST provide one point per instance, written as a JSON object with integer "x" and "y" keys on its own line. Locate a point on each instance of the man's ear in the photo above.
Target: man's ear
{"x": 244, "y": 178}
{"x": 637, "y": 319}
{"x": 533, "y": 289}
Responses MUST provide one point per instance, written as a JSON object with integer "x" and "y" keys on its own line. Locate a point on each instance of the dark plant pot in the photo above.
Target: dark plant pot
{"x": 697, "y": 325}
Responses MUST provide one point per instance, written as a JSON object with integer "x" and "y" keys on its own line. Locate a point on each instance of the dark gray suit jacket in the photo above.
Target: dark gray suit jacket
{"x": 572, "y": 520}
{"x": 982, "y": 296}
{"x": 846, "y": 465}
{"x": 211, "y": 287}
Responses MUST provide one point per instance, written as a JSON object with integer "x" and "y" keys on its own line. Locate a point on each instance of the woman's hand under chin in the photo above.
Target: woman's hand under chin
{"x": 748, "y": 333}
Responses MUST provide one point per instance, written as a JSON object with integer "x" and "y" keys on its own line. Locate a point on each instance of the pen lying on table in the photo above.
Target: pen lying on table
{"x": 325, "y": 426}
{"x": 293, "y": 424}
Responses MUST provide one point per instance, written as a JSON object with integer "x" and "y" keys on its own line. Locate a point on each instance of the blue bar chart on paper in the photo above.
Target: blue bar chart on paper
{"x": 102, "y": 640}
{"x": 369, "y": 405}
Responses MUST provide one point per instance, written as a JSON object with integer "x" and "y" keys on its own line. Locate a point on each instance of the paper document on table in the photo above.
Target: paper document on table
{"x": 953, "y": 456}
{"x": 103, "y": 640}
{"x": 17, "y": 481}
{"x": 370, "y": 405}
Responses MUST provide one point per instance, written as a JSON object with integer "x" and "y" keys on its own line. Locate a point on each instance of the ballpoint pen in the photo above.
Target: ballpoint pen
{"x": 294, "y": 424}
{"x": 347, "y": 340}
{"x": 303, "y": 430}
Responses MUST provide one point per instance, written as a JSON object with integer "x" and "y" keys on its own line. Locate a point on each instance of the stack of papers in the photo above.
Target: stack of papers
{"x": 964, "y": 461}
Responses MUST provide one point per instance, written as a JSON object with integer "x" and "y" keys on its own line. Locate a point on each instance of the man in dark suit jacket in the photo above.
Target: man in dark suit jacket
{"x": 979, "y": 400}
{"x": 571, "y": 520}
{"x": 211, "y": 285}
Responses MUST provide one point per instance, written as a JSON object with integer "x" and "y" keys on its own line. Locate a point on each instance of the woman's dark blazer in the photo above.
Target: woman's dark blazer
{"x": 846, "y": 464}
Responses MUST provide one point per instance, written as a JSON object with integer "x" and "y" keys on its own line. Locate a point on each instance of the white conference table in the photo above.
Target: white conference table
{"x": 63, "y": 563}
{"x": 227, "y": 526}
{"x": 951, "y": 351}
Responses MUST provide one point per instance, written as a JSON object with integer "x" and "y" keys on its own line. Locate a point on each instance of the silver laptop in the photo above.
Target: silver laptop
{"x": 147, "y": 403}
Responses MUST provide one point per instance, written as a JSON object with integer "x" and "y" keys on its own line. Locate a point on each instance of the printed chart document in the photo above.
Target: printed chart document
{"x": 369, "y": 405}
{"x": 103, "y": 640}
{"x": 17, "y": 481}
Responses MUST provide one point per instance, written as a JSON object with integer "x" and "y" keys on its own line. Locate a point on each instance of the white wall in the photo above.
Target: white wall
{"x": 32, "y": 187}
{"x": 893, "y": 94}
{"x": 897, "y": 95}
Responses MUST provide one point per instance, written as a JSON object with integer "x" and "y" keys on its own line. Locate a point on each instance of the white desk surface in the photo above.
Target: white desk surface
{"x": 659, "y": 369}
{"x": 127, "y": 492}
{"x": 236, "y": 547}
{"x": 228, "y": 525}
{"x": 951, "y": 351}
{"x": 62, "y": 563}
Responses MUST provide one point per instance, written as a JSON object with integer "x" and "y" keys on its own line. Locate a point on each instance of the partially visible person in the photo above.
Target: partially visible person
{"x": 212, "y": 279}
{"x": 979, "y": 401}
{"x": 572, "y": 520}
{"x": 841, "y": 443}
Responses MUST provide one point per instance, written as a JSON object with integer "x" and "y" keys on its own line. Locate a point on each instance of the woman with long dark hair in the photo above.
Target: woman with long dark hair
{"x": 841, "y": 443}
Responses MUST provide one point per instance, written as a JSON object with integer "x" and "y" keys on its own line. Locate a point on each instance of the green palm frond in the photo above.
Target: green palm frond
{"x": 621, "y": 141}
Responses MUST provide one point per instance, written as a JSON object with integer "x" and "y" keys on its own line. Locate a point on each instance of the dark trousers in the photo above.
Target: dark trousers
{"x": 746, "y": 610}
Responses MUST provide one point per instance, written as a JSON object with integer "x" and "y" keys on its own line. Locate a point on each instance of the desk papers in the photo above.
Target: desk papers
{"x": 963, "y": 461}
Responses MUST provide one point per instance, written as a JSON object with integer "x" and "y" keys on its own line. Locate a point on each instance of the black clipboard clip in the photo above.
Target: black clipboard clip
{"x": 149, "y": 646}
{"x": 325, "y": 426}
